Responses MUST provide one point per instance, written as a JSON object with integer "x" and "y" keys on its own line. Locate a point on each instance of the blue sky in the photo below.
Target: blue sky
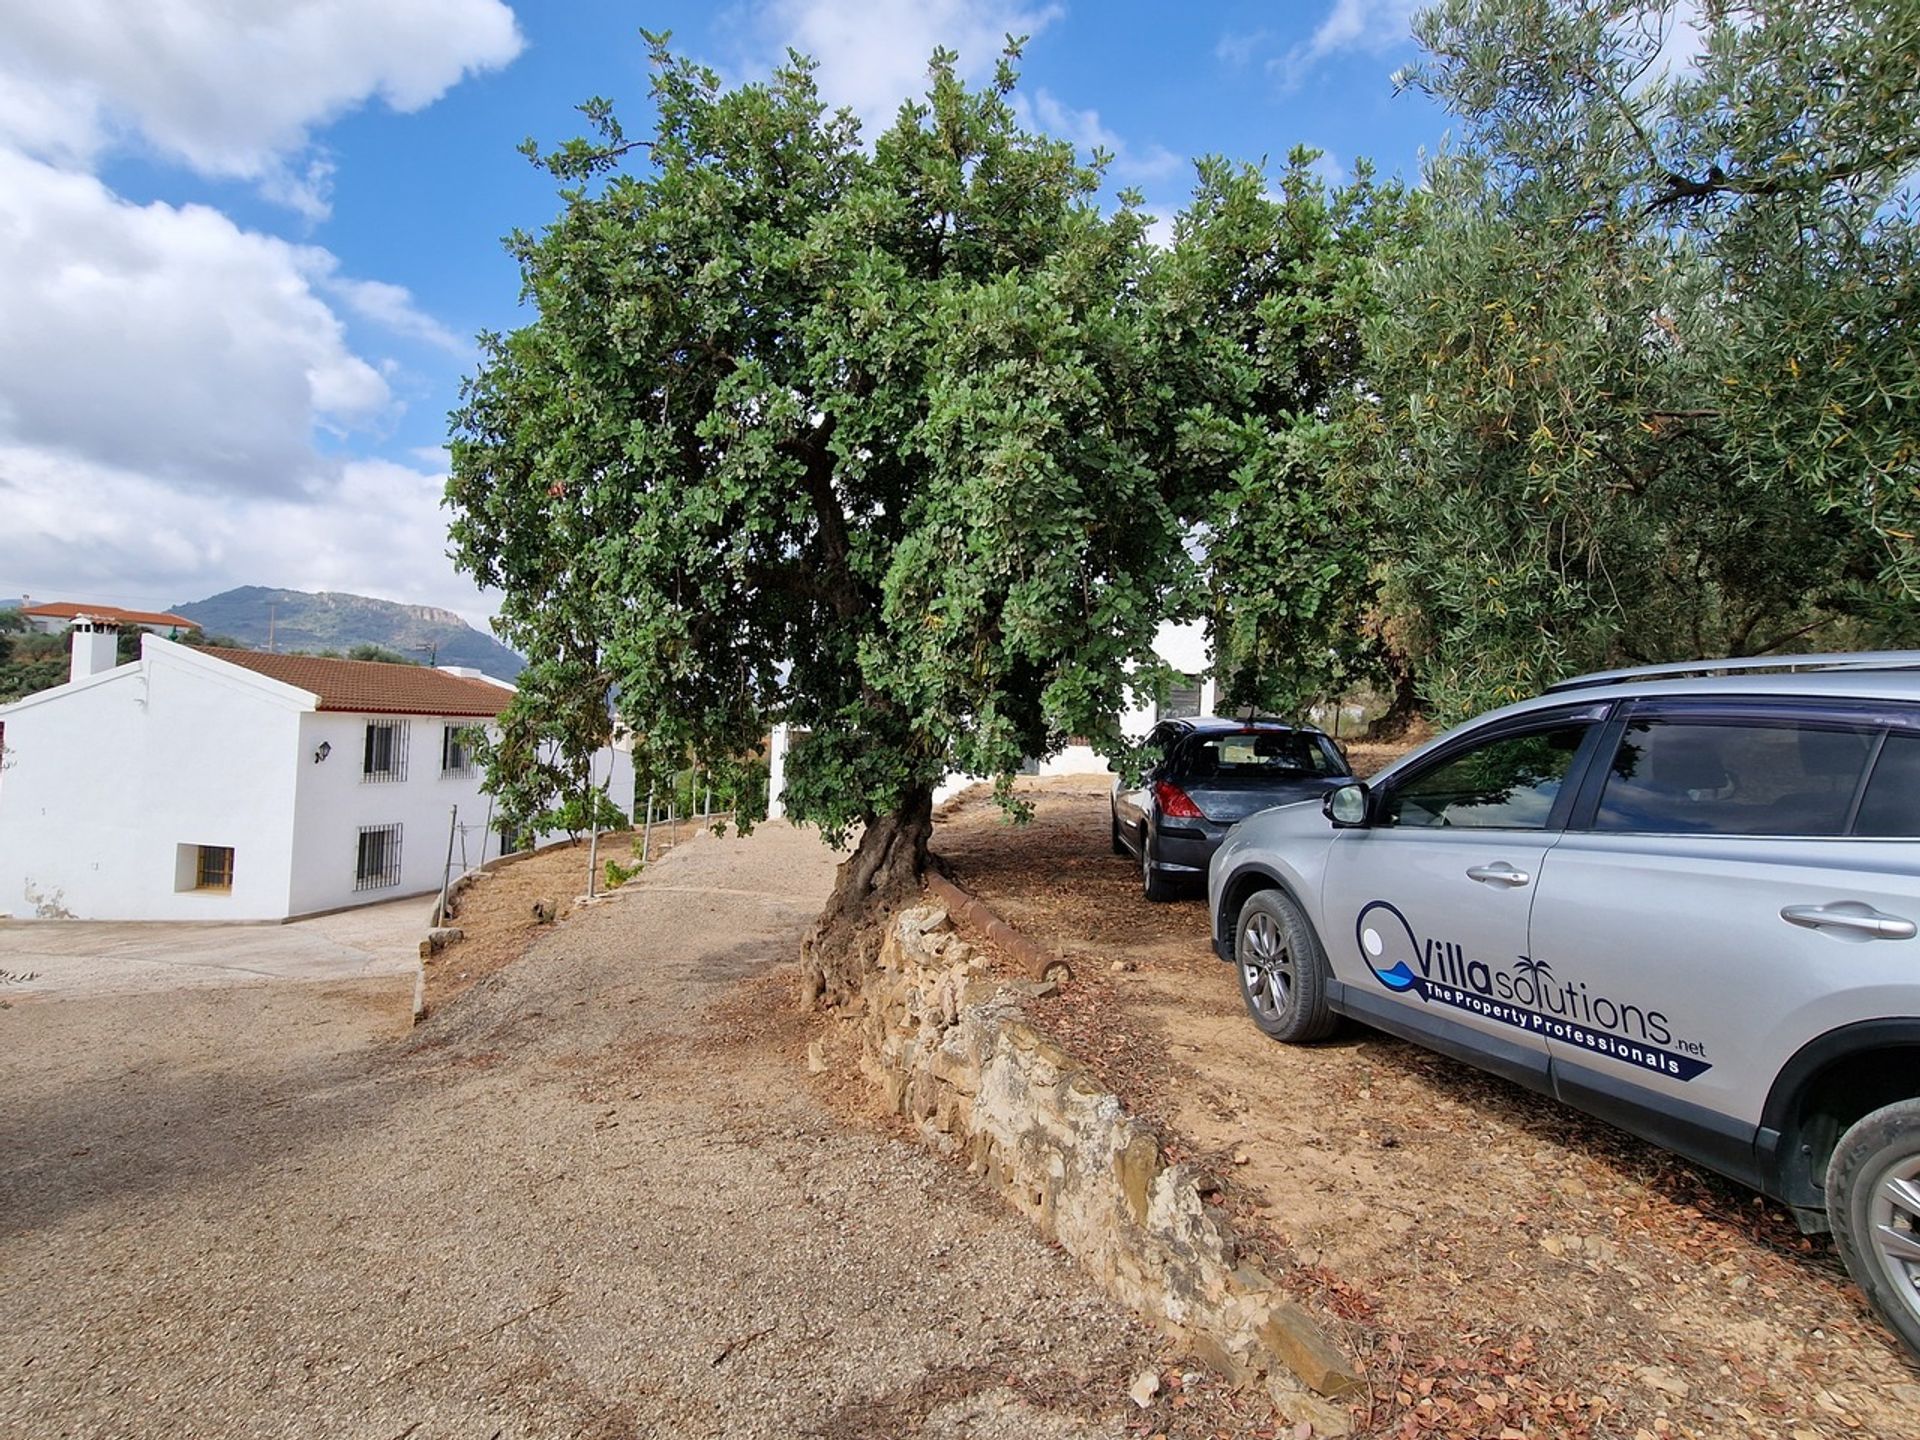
{"x": 242, "y": 257}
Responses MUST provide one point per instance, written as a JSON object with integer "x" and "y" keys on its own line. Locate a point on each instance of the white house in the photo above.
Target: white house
{"x": 207, "y": 784}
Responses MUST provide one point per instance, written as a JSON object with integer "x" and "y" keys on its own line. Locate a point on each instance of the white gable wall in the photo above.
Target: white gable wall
{"x": 106, "y": 780}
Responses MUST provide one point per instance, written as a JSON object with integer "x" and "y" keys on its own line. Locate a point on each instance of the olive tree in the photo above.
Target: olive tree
{"x": 1648, "y": 386}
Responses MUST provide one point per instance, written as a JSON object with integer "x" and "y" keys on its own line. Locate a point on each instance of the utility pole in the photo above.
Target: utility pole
{"x": 272, "y": 610}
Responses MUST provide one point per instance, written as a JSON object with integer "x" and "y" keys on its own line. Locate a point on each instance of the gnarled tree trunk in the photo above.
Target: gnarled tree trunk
{"x": 882, "y": 874}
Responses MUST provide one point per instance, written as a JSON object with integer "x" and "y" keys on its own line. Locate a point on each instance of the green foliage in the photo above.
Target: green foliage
{"x": 1647, "y": 389}
{"x": 618, "y": 874}
{"x": 1273, "y": 285}
{"x": 888, "y": 444}
{"x": 31, "y": 662}
{"x": 577, "y": 813}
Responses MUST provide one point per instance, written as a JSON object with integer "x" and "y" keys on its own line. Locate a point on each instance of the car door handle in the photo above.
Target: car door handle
{"x": 1499, "y": 873}
{"x": 1852, "y": 917}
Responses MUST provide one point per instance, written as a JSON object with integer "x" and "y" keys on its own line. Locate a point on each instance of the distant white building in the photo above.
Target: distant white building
{"x": 206, "y": 784}
{"x": 55, "y": 617}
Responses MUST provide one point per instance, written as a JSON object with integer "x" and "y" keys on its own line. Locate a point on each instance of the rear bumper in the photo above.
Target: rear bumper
{"x": 1185, "y": 847}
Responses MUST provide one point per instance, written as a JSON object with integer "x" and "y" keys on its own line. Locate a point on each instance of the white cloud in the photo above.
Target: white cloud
{"x": 1236, "y": 48}
{"x": 1044, "y": 112}
{"x": 231, "y": 87}
{"x": 391, "y": 307}
{"x": 167, "y": 339}
{"x": 1370, "y": 26}
{"x": 873, "y": 53}
{"x": 76, "y": 528}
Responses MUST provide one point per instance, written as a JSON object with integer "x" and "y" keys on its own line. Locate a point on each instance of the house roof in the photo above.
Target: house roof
{"x": 112, "y": 614}
{"x": 372, "y": 686}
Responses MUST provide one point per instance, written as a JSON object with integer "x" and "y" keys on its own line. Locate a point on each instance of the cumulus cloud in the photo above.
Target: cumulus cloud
{"x": 873, "y": 53}
{"x": 1130, "y": 166}
{"x": 231, "y": 88}
{"x": 167, "y": 339}
{"x": 77, "y": 528}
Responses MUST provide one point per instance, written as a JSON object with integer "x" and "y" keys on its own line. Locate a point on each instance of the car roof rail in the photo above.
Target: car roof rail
{"x": 1681, "y": 670}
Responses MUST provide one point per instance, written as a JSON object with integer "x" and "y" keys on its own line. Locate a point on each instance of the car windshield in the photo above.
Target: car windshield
{"x": 1252, "y": 754}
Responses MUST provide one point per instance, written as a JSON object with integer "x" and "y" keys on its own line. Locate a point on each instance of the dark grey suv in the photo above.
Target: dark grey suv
{"x": 1683, "y": 898}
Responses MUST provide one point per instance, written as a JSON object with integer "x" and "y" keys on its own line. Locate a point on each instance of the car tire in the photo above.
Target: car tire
{"x": 1283, "y": 970}
{"x": 1119, "y": 845}
{"x": 1873, "y": 1204}
{"x": 1156, "y": 885}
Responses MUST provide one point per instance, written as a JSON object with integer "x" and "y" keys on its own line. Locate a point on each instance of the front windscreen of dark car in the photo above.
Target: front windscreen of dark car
{"x": 1258, "y": 754}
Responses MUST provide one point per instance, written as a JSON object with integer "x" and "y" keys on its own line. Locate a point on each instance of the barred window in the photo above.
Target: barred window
{"x": 386, "y": 751}
{"x": 213, "y": 869}
{"x": 378, "y": 863}
{"x": 454, "y": 759}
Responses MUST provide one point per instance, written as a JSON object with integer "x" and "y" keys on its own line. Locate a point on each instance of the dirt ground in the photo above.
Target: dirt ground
{"x": 593, "y": 1196}
{"x": 496, "y": 911}
{"x": 1501, "y": 1265}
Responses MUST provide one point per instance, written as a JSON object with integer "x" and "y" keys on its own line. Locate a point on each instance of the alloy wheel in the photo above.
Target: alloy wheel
{"x": 1893, "y": 1218}
{"x": 1267, "y": 967}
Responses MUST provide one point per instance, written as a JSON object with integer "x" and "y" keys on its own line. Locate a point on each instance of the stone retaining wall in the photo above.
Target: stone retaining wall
{"x": 952, "y": 1052}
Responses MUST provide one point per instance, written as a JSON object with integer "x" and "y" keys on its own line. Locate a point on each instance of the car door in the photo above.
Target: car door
{"x": 1133, "y": 793}
{"x": 1427, "y": 905}
{"x": 1739, "y": 879}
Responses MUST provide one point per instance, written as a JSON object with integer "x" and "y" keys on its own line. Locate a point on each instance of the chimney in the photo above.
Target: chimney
{"x": 96, "y": 646}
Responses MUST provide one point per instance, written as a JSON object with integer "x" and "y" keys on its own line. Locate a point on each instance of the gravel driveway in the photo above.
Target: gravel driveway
{"x": 582, "y": 1201}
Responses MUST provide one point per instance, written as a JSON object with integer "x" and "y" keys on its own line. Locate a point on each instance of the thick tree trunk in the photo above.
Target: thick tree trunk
{"x": 1402, "y": 711}
{"x": 882, "y": 874}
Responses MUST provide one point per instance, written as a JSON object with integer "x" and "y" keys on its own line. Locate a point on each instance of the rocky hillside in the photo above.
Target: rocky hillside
{"x": 328, "y": 621}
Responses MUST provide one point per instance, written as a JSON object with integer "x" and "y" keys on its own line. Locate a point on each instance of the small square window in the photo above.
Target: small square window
{"x": 203, "y": 867}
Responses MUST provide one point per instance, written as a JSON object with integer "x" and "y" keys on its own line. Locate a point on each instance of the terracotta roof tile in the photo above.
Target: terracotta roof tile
{"x": 372, "y": 686}
{"x": 112, "y": 614}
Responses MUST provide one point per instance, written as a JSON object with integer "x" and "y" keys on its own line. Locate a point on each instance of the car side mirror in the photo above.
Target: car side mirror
{"x": 1346, "y": 807}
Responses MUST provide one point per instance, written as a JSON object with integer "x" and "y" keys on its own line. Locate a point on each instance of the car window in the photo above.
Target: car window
{"x": 1678, "y": 777}
{"x": 1506, "y": 784}
{"x": 1891, "y": 806}
{"x": 1255, "y": 754}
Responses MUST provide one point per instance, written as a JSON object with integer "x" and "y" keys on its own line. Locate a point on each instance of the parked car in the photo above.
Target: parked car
{"x": 1210, "y": 773}
{"x": 1681, "y": 898}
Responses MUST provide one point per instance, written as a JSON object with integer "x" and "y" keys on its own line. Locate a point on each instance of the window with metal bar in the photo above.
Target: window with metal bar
{"x": 213, "y": 869}
{"x": 378, "y": 863}
{"x": 385, "y": 756}
{"x": 454, "y": 759}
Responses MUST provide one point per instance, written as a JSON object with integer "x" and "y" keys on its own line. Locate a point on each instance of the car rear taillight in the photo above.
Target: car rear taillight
{"x": 1175, "y": 802}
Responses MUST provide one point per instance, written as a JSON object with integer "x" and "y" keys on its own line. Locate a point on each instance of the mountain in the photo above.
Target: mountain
{"x": 329, "y": 621}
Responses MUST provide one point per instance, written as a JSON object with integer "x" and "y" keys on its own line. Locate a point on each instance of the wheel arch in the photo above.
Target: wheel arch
{"x": 1828, "y": 1085}
{"x": 1246, "y": 882}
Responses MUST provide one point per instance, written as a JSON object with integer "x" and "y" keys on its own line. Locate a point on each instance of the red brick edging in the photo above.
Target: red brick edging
{"x": 1038, "y": 961}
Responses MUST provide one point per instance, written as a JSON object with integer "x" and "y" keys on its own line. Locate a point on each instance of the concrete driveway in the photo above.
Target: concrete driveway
{"x": 48, "y": 958}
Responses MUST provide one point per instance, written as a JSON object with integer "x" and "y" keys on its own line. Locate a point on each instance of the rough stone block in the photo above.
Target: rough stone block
{"x": 1135, "y": 1167}
{"x": 1293, "y": 1337}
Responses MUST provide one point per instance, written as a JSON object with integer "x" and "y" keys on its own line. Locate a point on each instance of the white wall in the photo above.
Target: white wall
{"x": 335, "y": 799}
{"x": 107, "y": 778}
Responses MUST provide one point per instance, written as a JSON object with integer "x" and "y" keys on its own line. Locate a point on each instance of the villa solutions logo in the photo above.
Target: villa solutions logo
{"x": 1527, "y": 996}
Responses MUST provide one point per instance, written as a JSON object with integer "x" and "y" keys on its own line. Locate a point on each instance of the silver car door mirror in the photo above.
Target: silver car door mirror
{"x": 1346, "y": 807}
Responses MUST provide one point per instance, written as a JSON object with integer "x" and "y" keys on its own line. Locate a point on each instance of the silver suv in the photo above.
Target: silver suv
{"x": 1681, "y": 898}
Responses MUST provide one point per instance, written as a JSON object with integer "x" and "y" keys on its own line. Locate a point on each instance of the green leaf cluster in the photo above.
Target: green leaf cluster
{"x": 891, "y": 445}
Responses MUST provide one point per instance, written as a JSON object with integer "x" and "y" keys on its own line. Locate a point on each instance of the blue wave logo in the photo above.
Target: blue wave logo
{"x": 1387, "y": 944}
